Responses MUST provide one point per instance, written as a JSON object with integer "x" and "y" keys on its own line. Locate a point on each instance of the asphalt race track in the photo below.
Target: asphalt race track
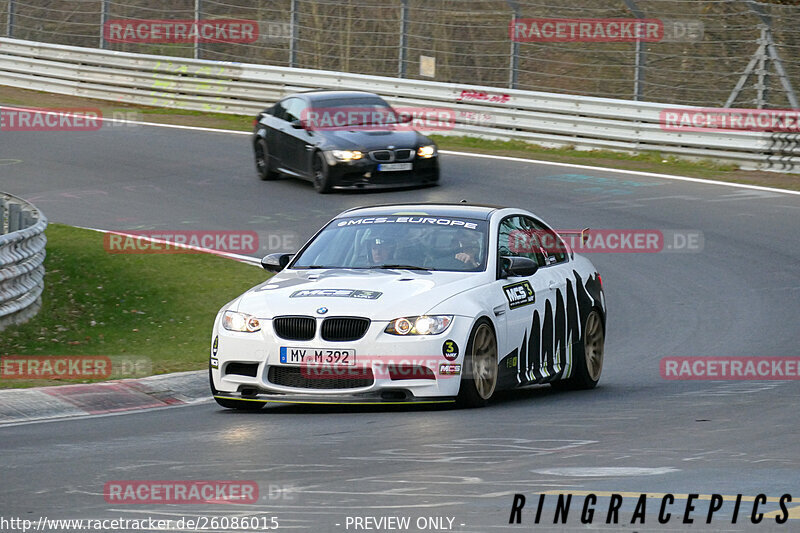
{"x": 319, "y": 468}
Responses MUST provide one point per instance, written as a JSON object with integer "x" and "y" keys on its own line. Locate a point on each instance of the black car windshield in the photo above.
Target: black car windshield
{"x": 412, "y": 242}
{"x": 356, "y": 111}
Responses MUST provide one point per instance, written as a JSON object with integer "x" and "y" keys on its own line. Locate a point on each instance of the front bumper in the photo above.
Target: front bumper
{"x": 364, "y": 174}
{"x": 388, "y": 368}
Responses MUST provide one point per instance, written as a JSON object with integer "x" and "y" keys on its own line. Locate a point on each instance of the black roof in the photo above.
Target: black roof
{"x": 476, "y": 211}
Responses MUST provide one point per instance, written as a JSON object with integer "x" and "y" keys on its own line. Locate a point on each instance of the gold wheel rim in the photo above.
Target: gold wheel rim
{"x": 484, "y": 361}
{"x": 593, "y": 345}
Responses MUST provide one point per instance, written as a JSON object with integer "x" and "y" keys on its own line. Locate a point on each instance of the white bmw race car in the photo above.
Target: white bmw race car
{"x": 425, "y": 303}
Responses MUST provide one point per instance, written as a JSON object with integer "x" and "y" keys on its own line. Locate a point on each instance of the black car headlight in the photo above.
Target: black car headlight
{"x": 347, "y": 155}
{"x": 426, "y": 152}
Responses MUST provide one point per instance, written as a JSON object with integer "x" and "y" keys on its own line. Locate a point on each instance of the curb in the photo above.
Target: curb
{"x": 67, "y": 401}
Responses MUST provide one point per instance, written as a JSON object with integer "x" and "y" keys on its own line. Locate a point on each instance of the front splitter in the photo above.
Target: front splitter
{"x": 310, "y": 399}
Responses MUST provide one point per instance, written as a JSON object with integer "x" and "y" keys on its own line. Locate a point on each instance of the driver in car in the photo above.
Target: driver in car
{"x": 380, "y": 251}
{"x": 469, "y": 249}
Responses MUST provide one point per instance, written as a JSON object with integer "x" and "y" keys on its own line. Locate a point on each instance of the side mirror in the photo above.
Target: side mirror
{"x": 276, "y": 262}
{"x": 298, "y": 124}
{"x": 513, "y": 266}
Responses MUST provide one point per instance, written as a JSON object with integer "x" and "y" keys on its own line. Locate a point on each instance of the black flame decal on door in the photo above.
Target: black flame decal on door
{"x": 543, "y": 356}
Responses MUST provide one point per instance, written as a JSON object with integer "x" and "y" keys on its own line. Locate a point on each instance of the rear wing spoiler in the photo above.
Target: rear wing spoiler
{"x": 567, "y": 236}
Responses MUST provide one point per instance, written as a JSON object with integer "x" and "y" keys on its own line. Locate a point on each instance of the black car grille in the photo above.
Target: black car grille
{"x": 295, "y": 328}
{"x": 388, "y": 156}
{"x": 341, "y": 329}
{"x": 307, "y": 378}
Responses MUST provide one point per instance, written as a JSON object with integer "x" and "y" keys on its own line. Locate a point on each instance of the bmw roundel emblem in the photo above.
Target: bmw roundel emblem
{"x": 322, "y": 310}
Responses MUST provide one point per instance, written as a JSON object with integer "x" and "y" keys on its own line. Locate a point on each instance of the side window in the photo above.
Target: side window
{"x": 279, "y": 111}
{"x": 552, "y": 245}
{"x": 294, "y": 109}
{"x": 527, "y": 237}
{"x": 518, "y": 238}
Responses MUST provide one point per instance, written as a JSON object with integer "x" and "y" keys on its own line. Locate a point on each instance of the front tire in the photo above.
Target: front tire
{"x": 263, "y": 164}
{"x": 479, "y": 376}
{"x": 322, "y": 181}
{"x": 241, "y": 405}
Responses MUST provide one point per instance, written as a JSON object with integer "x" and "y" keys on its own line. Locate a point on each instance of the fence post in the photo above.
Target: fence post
{"x": 513, "y": 66}
{"x": 401, "y": 67}
{"x": 293, "y": 42}
{"x": 14, "y": 218}
{"x": 10, "y": 20}
{"x": 103, "y": 20}
{"x": 196, "y": 54}
{"x": 638, "y": 77}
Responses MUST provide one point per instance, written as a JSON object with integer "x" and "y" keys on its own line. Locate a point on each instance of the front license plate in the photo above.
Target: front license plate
{"x": 297, "y": 356}
{"x": 388, "y": 167}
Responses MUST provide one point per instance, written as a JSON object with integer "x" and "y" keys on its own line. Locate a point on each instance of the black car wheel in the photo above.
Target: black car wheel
{"x": 242, "y": 405}
{"x": 263, "y": 165}
{"x": 321, "y": 174}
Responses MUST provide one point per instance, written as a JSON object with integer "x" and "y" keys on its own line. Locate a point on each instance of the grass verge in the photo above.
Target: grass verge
{"x": 157, "y": 306}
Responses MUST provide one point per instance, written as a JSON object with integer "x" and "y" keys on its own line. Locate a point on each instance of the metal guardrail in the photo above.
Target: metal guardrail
{"x": 22, "y": 253}
{"x": 548, "y": 119}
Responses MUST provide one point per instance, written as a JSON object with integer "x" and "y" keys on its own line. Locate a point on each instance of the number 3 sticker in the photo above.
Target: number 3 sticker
{"x": 450, "y": 350}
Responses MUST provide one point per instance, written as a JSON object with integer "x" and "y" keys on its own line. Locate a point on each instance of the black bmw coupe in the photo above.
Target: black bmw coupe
{"x": 342, "y": 140}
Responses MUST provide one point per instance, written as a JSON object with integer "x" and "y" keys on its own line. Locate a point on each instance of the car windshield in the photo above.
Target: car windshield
{"x": 358, "y": 111}
{"x": 413, "y": 242}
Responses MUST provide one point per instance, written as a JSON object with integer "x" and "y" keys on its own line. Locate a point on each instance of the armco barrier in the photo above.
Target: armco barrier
{"x": 22, "y": 253}
{"x": 239, "y": 88}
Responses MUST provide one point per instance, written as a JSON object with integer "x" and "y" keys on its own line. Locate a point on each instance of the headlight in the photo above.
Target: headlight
{"x": 426, "y": 152}
{"x": 347, "y": 155}
{"x": 233, "y": 321}
{"x": 419, "y": 325}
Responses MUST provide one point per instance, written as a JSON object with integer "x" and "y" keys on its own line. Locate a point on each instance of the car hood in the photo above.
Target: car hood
{"x": 373, "y": 140}
{"x": 376, "y": 294}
